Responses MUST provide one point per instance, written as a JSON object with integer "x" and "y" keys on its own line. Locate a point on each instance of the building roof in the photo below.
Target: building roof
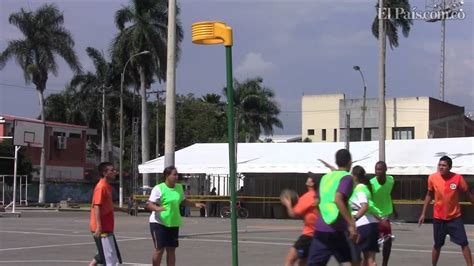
{"x": 404, "y": 157}
{"x": 48, "y": 123}
{"x": 280, "y": 138}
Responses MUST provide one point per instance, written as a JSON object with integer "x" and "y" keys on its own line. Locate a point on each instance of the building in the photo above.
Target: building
{"x": 65, "y": 148}
{"x": 326, "y": 118}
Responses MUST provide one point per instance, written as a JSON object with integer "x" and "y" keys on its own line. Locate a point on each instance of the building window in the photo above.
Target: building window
{"x": 59, "y": 134}
{"x": 355, "y": 134}
{"x": 310, "y": 132}
{"x": 335, "y": 135}
{"x": 403, "y": 133}
{"x": 74, "y": 135}
{"x": 323, "y": 134}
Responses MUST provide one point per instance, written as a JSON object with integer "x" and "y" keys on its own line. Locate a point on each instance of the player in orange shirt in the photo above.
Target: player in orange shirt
{"x": 446, "y": 187}
{"x": 306, "y": 208}
{"x": 102, "y": 219}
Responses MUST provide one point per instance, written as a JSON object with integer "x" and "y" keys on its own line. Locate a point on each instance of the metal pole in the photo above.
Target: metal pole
{"x": 348, "y": 129}
{"x": 3, "y": 190}
{"x": 121, "y": 139}
{"x": 170, "y": 122}
{"x": 14, "y": 176}
{"x": 121, "y": 128}
{"x": 230, "y": 138}
{"x": 382, "y": 46}
{"x": 26, "y": 190}
{"x": 21, "y": 192}
{"x": 443, "y": 43}
{"x": 102, "y": 143}
{"x": 364, "y": 107}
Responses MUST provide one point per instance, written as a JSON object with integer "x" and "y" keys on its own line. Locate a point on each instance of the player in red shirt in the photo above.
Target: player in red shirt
{"x": 102, "y": 218}
{"x": 306, "y": 208}
{"x": 447, "y": 187}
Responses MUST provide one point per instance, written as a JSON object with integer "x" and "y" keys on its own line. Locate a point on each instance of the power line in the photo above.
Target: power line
{"x": 25, "y": 87}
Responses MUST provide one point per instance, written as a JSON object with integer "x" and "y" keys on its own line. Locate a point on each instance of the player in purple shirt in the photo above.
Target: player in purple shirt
{"x": 337, "y": 239}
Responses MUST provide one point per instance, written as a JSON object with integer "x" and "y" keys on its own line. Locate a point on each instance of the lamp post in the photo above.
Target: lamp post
{"x": 121, "y": 128}
{"x": 214, "y": 32}
{"x": 357, "y": 68}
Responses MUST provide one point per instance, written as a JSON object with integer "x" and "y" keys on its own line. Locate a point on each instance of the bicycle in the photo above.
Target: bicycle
{"x": 242, "y": 212}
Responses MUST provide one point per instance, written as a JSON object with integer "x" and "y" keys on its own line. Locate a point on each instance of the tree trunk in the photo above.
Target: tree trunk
{"x": 110, "y": 148}
{"x": 382, "y": 51}
{"x": 42, "y": 180}
{"x": 145, "y": 137}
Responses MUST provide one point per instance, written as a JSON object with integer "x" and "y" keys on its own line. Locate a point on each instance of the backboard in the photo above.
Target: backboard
{"x": 28, "y": 133}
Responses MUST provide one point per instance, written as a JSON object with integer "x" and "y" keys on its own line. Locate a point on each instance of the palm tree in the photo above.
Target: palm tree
{"x": 64, "y": 107}
{"x": 44, "y": 38}
{"x": 99, "y": 83}
{"x": 255, "y": 109}
{"x": 391, "y": 19}
{"x": 392, "y": 23}
{"x": 143, "y": 26}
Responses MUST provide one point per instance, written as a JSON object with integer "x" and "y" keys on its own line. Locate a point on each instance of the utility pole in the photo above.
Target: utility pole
{"x": 348, "y": 128}
{"x": 170, "y": 122}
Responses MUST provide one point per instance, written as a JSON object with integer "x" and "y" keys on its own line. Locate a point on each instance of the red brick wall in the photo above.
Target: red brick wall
{"x": 74, "y": 155}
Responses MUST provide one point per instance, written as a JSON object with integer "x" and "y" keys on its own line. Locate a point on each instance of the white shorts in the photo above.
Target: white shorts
{"x": 108, "y": 252}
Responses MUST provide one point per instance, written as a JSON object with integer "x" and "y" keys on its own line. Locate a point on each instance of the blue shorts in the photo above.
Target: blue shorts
{"x": 454, "y": 228}
{"x": 369, "y": 235}
{"x": 337, "y": 244}
{"x": 164, "y": 236}
{"x": 302, "y": 246}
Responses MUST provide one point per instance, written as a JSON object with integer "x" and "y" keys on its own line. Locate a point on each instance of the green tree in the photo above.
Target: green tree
{"x": 143, "y": 27}
{"x": 24, "y": 166}
{"x": 256, "y": 110}
{"x": 44, "y": 38}
{"x": 393, "y": 23}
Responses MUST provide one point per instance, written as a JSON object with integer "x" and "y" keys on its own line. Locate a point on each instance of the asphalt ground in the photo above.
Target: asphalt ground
{"x": 62, "y": 238}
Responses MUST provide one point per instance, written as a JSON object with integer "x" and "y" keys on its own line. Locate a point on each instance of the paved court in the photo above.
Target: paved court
{"x": 62, "y": 238}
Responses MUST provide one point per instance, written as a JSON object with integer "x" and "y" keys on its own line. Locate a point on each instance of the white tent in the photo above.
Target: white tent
{"x": 404, "y": 157}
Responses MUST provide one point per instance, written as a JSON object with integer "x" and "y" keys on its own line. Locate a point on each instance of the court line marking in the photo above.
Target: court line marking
{"x": 65, "y": 245}
{"x": 64, "y": 261}
{"x": 55, "y": 234}
{"x": 288, "y": 244}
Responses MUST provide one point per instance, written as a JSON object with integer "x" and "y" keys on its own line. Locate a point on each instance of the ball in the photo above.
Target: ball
{"x": 289, "y": 194}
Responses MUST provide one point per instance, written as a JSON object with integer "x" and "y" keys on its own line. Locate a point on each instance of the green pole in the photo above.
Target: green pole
{"x": 231, "y": 140}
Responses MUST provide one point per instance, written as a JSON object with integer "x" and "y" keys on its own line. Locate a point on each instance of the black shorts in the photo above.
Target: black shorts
{"x": 369, "y": 235}
{"x": 302, "y": 246}
{"x": 337, "y": 244}
{"x": 455, "y": 229}
{"x": 164, "y": 236}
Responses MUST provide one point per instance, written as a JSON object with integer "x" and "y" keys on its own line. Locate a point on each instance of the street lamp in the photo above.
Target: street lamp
{"x": 357, "y": 68}
{"x": 215, "y": 32}
{"x": 121, "y": 128}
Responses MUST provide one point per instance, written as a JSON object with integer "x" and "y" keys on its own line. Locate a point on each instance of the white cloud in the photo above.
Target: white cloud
{"x": 254, "y": 65}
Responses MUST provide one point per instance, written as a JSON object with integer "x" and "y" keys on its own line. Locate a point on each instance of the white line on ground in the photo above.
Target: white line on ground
{"x": 241, "y": 241}
{"x": 63, "y": 261}
{"x": 65, "y": 245}
{"x": 288, "y": 244}
{"x": 424, "y": 251}
{"x": 54, "y": 234}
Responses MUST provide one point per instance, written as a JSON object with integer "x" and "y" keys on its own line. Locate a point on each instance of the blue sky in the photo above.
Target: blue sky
{"x": 298, "y": 47}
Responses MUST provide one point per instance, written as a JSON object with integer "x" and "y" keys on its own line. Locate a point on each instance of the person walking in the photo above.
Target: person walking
{"x": 102, "y": 219}
{"x": 165, "y": 219}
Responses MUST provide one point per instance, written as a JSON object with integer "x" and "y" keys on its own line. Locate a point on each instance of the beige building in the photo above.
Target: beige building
{"x": 324, "y": 118}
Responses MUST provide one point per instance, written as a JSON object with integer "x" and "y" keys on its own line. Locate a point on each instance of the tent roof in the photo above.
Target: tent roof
{"x": 403, "y": 157}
